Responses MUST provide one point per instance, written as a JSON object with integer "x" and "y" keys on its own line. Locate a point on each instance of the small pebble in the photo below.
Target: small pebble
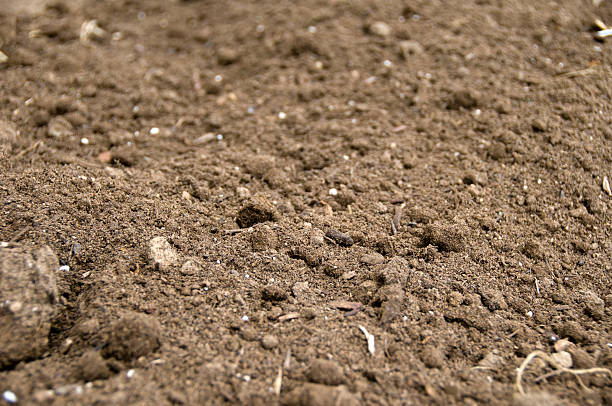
{"x": 381, "y": 29}
{"x": 84, "y": 141}
{"x": 9, "y": 396}
{"x": 130, "y": 373}
{"x": 154, "y": 131}
{"x": 245, "y": 318}
{"x": 333, "y": 192}
{"x": 64, "y": 268}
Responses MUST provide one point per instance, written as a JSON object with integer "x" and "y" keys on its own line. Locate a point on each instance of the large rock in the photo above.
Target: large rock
{"x": 28, "y": 294}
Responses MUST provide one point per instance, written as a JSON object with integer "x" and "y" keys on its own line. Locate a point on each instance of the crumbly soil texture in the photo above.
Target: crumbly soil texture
{"x": 318, "y": 202}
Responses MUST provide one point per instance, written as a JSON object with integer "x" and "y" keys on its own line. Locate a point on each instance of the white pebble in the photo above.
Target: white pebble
{"x": 530, "y": 313}
{"x": 387, "y": 63}
{"x": 218, "y": 78}
{"x": 84, "y": 141}
{"x": 64, "y": 268}
{"x": 245, "y": 318}
{"x": 312, "y": 29}
{"x": 250, "y": 110}
{"x": 154, "y": 131}
{"x": 282, "y": 115}
{"x": 333, "y": 192}
{"x": 345, "y": 157}
{"x": 130, "y": 373}
{"x": 219, "y": 137}
{"x": 9, "y": 396}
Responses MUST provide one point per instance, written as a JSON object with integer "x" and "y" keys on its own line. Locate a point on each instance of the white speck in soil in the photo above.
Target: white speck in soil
{"x": 9, "y": 396}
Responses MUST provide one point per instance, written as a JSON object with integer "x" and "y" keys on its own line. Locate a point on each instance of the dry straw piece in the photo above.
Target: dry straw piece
{"x": 558, "y": 370}
{"x": 606, "y": 186}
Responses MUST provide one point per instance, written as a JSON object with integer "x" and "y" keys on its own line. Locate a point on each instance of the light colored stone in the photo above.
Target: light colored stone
{"x": 162, "y": 255}
{"x": 381, "y": 29}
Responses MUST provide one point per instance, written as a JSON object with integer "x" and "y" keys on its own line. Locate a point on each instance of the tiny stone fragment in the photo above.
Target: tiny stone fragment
{"x": 563, "y": 359}
{"x": 380, "y": 29}
{"x": 59, "y": 127}
{"x": 162, "y": 255}
{"x": 339, "y": 238}
{"x": 227, "y": 56}
{"x": 372, "y": 259}
{"x": 190, "y": 267}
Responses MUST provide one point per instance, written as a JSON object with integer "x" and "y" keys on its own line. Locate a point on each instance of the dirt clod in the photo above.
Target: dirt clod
{"x": 91, "y": 366}
{"x": 433, "y": 357}
{"x": 312, "y": 394}
{"x": 257, "y": 209}
{"x": 446, "y": 238}
{"x": 339, "y": 238}
{"x": 574, "y": 331}
{"x": 326, "y": 372}
{"x": 132, "y": 336}
{"x": 273, "y": 293}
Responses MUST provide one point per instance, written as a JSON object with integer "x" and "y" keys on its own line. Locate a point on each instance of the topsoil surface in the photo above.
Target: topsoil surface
{"x": 233, "y": 193}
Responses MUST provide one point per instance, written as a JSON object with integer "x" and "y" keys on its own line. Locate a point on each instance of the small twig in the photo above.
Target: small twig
{"x": 537, "y": 284}
{"x": 278, "y": 382}
{"x": 581, "y": 72}
{"x": 28, "y": 149}
{"x": 236, "y": 231}
{"x": 20, "y": 234}
{"x": 289, "y": 316}
{"x": 287, "y": 362}
{"x": 515, "y": 332}
{"x": 559, "y": 372}
{"x": 559, "y": 369}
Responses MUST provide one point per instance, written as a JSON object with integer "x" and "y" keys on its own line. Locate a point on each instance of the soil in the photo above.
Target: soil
{"x": 233, "y": 193}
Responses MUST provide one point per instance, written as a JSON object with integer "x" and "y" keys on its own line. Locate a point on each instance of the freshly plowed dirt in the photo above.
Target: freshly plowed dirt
{"x": 239, "y": 193}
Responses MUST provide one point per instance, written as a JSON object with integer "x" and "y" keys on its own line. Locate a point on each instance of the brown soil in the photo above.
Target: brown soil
{"x": 236, "y": 187}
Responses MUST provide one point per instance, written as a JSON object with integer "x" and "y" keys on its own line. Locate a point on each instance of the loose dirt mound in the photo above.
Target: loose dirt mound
{"x": 240, "y": 194}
